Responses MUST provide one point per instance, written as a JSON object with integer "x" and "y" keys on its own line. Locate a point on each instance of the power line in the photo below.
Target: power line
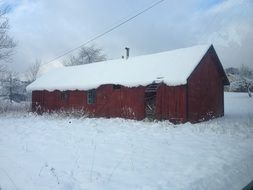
{"x": 109, "y": 30}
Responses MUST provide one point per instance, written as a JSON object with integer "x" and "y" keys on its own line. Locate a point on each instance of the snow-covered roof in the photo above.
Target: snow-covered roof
{"x": 172, "y": 67}
{"x": 45, "y": 68}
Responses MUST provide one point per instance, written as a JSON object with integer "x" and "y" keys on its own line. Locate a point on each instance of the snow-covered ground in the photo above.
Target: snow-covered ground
{"x": 49, "y": 152}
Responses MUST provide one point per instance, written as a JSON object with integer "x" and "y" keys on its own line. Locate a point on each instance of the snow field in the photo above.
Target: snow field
{"x": 52, "y": 152}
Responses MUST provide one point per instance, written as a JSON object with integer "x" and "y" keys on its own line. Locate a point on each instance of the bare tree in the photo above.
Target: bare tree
{"x": 249, "y": 92}
{"x": 32, "y": 72}
{"x": 8, "y": 84}
{"x": 86, "y": 55}
{"x": 247, "y": 74}
{"x": 3, "y": 70}
{"x": 7, "y": 44}
{"x": 246, "y": 71}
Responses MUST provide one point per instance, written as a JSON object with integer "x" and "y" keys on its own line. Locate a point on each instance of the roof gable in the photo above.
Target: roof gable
{"x": 218, "y": 65}
{"x": 171, "y": 67}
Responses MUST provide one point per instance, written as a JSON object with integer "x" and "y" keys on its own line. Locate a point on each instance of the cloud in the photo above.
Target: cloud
{"x": 46, "y": 29}
{"x": 225, "y": 6}
{"x": 229, "y": 26}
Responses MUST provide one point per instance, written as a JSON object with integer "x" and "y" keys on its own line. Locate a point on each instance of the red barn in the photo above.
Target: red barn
{"x": 179, "y": 85}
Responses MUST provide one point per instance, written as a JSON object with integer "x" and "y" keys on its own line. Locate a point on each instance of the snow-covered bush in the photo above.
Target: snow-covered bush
{"x": 7, "y": 106}
{"x": 78, "y": 113}
{"x": 241, "y": 86}
{"x": 70, "y": 113}
{"x": 241, "y": 80}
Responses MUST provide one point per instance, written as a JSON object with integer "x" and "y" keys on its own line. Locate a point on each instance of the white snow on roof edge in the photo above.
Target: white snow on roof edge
{"x": 174, "y": 67}
{"x": 48, "y": 67}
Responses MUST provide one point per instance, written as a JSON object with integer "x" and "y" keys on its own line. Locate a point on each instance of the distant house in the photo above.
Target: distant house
{"x": 179, "y": 85}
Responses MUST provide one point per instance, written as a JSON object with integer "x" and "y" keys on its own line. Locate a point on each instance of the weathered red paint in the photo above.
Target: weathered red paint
{"x": 205, "y": 98}
{"x": 124, "y": 102}
{"x": 170, "y": 104}
{"x": 200, "y": 99}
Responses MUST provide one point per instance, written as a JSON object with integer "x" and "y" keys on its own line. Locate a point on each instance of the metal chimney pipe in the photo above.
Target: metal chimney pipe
{"x": 127, "y": 52}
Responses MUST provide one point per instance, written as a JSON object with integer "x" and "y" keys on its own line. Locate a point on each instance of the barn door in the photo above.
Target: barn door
{"x": 150, "y": 100}
{"x": 37, "y": 101}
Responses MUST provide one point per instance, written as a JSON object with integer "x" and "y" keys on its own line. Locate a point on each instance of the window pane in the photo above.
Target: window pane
{"x": 116, "y": 86}
{"x": 64, "y": 95}
{"x": 91, "y": 96}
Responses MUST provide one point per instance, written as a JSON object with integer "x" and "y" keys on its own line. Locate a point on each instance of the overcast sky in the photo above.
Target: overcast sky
{"x": 45, "y": 29}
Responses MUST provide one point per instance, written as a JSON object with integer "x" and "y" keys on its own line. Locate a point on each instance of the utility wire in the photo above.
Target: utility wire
{"x": 109, "y": 30}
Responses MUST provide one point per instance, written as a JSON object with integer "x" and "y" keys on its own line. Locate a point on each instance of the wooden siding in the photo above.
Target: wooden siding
{"x": 171, "y": 103}
{"x": 205, "y": 90}
{"x": 124, "y": 102}
{"x": 200, "y": 99}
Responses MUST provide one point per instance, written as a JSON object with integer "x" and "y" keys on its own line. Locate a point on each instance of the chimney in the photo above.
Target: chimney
{"x": 127, "y": 52}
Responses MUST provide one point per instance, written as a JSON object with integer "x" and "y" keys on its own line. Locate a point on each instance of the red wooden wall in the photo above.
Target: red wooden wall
{"x": 205, "y": 90}
{"x": 171, "y": 103}
{"x": 124, "y": 102}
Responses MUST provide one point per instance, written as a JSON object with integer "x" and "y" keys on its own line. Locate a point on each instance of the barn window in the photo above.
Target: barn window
{"x": 115, "y": 87}
{"x": 64, "y": 95}
{"x": 91, "y": 96}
